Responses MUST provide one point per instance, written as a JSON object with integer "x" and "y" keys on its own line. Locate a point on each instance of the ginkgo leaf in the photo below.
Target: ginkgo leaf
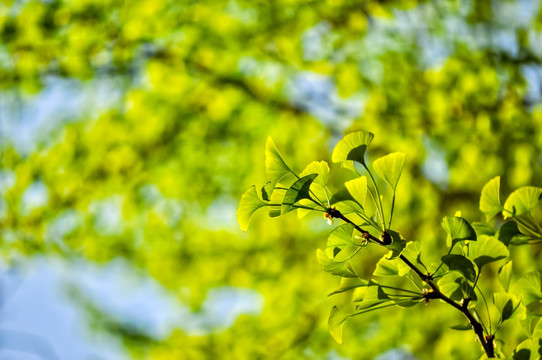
{"x": 250, "y": 202}
{"x": 386, "y": 267}
{"x": 490, "y": 201}
{"x": 390, "y": 167}
{"x": 317, "y": 167}
{"x": 509, "y": 306}
{"x": 486, "y": 250}
{"x": 458, "y": 229}
{"x": 505, "y": 275}
{"x": 275, "y": 166}
{"x": 460, "y": 264}
{"x": 358, "y": 189}
{"x": 348, "y": 284}
{"x": 352, "y": 147}
{"x": 299, "y": 190}
{"x": 335, "y": 322}
{"x": 339, "y": 238}
{"x": 340, "y": 265}
{"x": 522, "y": 201}
{"x": 528, "y": 287}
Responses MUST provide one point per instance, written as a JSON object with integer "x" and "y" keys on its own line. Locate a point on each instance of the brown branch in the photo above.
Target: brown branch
{"x": 435, "y": 293}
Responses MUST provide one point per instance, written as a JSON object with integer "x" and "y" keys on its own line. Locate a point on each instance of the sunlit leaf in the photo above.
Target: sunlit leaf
{"x": 507, "y": 232}
{"x": 509, "y": 306}
{"x": 352, "y": 147}
{"x": 317, "y": 167}
{"x": 458, "y": 229}
{"x": 529, "y": 349}
{"x": 299, "y": 190}
{"x": 398, "y": 243}
{"x": 528, "y": 287}
{"x": 505, "y": 275}
{"x": 412, "y": 252}
{"x": 482, "y": 228}
{"x": 358, "y": 189}
{"x": 456, "y": 286}
{"x": 250, "y": 202}
{"x": 461, "y": 264}
{"x": 275, "y": 165}
{"x": 335, "y": 323}
{"x": 490, "y": 202}
{"x": 487, "y": 250}
{"x": 522, "y": 201}
{"x": 390, "y": 167}
{"x": 339, "y": 238}
{"x": 370, "y": 296}
{"x": 339, "y": 265}
{"x": 348, "y": 284}
{"x": 386, "y": 267}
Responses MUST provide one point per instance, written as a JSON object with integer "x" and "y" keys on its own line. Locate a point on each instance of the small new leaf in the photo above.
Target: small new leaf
{"x": 250, "y": 202}
{"x": 490, "y": 201}
{"x": 487, "y": 250}
{"x": 358, "y": 189}
{"x": 335, "y": 323}
{"x": 522, "y": 201}
{"x": 275, "y": 166}
{"x": 458, "y": 229}
{"x": 352, "y": 147}
{"x": 299, "y": 190}
{"x": 460, "y": 264}
{"x": 390, "y": 167}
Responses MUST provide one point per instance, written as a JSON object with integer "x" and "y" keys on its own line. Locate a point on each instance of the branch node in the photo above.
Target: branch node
{"x": 386, "y": 238}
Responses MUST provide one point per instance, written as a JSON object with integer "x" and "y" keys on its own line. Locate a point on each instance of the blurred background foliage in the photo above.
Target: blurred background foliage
{"x": 169, "y": 106}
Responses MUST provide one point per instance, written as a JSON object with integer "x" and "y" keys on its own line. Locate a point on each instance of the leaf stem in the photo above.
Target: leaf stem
{"x": 379, "y": 203}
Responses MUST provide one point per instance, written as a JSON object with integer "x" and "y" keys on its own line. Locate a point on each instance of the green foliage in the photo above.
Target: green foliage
{"x": 390, "y": 167}
{"x": 458, "y": 274}
{"x": 199, "y": 86}
{"x": 458, "y": 229}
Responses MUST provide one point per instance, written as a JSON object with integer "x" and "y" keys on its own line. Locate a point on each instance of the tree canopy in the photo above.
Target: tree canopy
{"x": 155, "y": 175}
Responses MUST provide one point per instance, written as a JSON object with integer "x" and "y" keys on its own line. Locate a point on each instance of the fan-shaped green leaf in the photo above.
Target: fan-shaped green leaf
{"x": 250, "y": 202}
{"x": 348, "y": 284}
{"x": 460, "y": 264}
{"x": 455, "y": 286}
{"x": 358, "y": 189}
{"x": 299, "y": 190}
{"x": 509, "y": 306}
{"x": 487, "y": 250}
{"x": 522, "y": 201}
{"x": 398, "y": 244}
{"x": 390, "y": 167}
{"x": 528, "y": 287}
{"x": 490, "y": 201}
{"x": 317, "y": 167}
{"x": 339, "y": 265}
{"x": 335, "y": 323}
{"x": 339, "y": 238}
{"x": 482, "y": 228}
{"x": 505, "y": 275}
{"x": 352, "y": 147}
{"x": 528, "y": 350}
{"x": 412, "y": 252}
{"x": 386, "y": 267}
{"x": 275, "y": 166}
{"x": 458, "y": 229}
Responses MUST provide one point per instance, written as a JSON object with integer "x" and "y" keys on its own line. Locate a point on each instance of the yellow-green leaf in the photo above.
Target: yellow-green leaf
{"x": 490, "y": 201}
{"x": 352, "y": 147}
{"x": 250, "y": 202}
{"x": 390, "y": 167}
